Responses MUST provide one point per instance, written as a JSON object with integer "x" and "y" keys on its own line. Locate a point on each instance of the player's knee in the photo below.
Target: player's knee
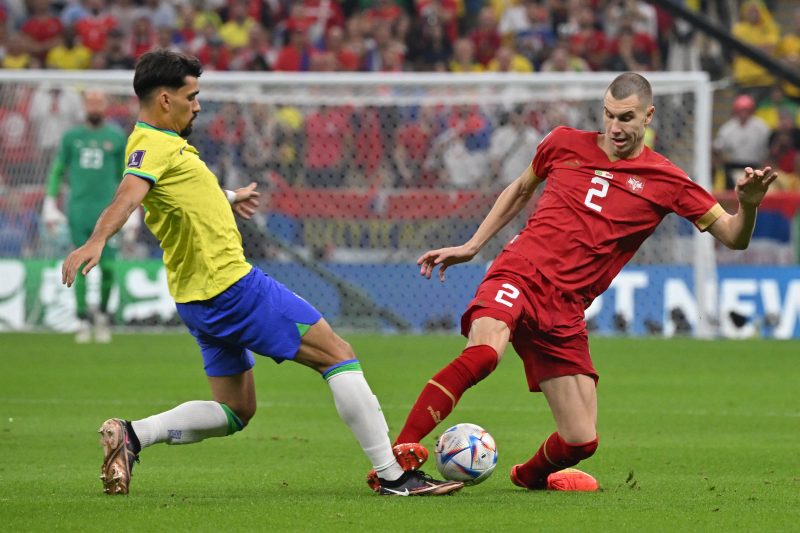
{"x": 477, "y": 362}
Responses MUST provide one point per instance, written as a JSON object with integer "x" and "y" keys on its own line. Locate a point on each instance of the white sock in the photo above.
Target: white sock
{"x": 187, "y": 423}
{"x": 360, "y": 410}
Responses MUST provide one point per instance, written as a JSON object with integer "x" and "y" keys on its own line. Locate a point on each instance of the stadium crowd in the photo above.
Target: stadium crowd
{"x": 466, "y": 147}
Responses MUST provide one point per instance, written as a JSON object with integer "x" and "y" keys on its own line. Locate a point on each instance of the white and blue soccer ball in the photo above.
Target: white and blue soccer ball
{"x": 466, "y": 452}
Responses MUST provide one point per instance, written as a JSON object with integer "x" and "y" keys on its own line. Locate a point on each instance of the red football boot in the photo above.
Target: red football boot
{"x": 569, "y": 479}
{"x": 409, "y": 455}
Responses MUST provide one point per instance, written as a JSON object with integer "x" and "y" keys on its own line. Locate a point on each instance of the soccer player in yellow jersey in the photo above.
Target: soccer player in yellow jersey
{"x": 232, "y": 308}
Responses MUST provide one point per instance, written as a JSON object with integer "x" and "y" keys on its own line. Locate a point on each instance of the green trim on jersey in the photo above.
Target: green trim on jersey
{"x": 302, "y": 328}
{"x": 140, "y": 174}
{"x": 234, "y": 423}
{"x": 149, "y": 127}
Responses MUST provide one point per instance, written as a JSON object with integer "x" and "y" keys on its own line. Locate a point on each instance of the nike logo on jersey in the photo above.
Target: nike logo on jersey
{"x": 604, "y": 174}
{"x": 403, "y": 492}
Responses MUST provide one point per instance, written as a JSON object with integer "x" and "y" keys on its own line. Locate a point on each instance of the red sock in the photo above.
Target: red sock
{"x": 554, "y": 454}
{"x": 442, "y": 392}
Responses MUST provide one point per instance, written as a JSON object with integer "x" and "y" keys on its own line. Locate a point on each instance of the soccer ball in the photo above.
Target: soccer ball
{"x": 467, "y": 453}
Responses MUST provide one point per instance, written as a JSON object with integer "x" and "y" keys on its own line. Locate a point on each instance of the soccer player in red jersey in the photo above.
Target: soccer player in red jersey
{"x": 604, "y": 194}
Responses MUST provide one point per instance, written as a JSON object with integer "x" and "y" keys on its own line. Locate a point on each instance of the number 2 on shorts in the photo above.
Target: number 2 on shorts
{"x": 507, "y": 291}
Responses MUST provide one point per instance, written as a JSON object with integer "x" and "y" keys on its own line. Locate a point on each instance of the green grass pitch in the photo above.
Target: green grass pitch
{"x": 694, "y": 436}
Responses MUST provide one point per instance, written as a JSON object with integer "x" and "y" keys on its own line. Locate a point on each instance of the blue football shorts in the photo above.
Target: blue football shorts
{"x": 255, "y": 314}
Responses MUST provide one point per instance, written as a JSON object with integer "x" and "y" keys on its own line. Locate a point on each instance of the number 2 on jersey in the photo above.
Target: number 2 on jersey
{"x": 600, "y": 193}
{"x": 510, "y": 292}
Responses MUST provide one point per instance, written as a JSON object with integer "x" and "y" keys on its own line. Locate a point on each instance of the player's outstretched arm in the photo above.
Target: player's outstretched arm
{"x": 129, "y": 195}
{"x": 246, "y": 201}
{"x": 735, "y": 231}
{"x": 508, "y": 205}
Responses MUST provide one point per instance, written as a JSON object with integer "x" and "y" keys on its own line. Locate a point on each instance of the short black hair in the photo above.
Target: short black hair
{"x": 630, "y": 83}
{"x": 163, "y": 68}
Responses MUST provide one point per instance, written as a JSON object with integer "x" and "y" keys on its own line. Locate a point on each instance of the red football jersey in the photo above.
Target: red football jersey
{"x": 594, "y": 213}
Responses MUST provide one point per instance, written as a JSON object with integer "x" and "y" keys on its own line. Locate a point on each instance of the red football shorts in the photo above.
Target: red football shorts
{"x": 547, "y": 326}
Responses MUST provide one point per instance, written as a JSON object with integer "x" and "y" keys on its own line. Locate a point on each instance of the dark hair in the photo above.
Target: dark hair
{"x": 630, "y": 83}
{"x": 163, "y": 68}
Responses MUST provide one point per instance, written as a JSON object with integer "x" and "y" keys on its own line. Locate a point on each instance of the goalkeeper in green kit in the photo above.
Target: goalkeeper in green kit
{"x": 92, "y": 157}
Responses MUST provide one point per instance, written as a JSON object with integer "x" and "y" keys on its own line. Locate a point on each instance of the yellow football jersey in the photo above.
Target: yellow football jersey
{"x": 189, "y": 214}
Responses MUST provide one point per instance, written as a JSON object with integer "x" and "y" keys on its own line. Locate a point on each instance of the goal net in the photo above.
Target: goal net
{"x": 360, "y": 175}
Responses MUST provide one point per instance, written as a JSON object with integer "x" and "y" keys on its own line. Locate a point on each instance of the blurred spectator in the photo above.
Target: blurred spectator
{"x": 769, "y": 108}
{"x": 225, "y": 135}
{"x": 355, "y": 35}
{"x": 291, "y": 143}
{"x": 165, "y": 39}
{"x": 368, "y": 151}
{"x": 561, "y": 60}
{"x": 459, "y": 155}
{"x": 93, "y": 27}
{"x": 485, "y": 36}
{"x": 464, "y": 57}
{"x": 185, "y": 25}
{"x": 789, "y": 52}
{"x": 412, "y": 142}
{"x": 19, "y": 222}
{"x": 384, "y": 11}
{"x": 69, "y": 54}
{"x": 784, "y": 142}
{"x": 124, "y": 12}
{"x": 113, "y": 56}
{"x": 161, "y": 13}
{"x": 52, "y": 111}
{"x": 16, "y": 53}
{"x": 633, "y": 51}
{"x": 42, "y": 28}
{"x": 506, "y": 59}
{"x": 3, "y": 39}
{"x": 261, "y": 149}
{"x": 323, "y": 61}
{"x": 393, "y": 58}
{"x": 638, "y": 13}
{"x": 535, "y": 37}
{"x": 236, "y": 31}
{"x": 586, "y": 40}
{"x": 296, "y": 55}
{"x": 790, "y": 181}
{"x": 741, "y": 141}
{"x": 258, "y": 54}
{"x": 73, "y": 11}
{"x": 16, "y": 140}
{"x": 320, "y": 16}
{"x": 510, "y": 148}
{"x": 380, "y": 47}
{"x": 444, "y": 12}
{"x": 428, "y": 47}
{"x": 757, "y": 28}
{"x": 346, "y": 59}
{"x": 142, "y": 37}
{"x": 215, "y": 54}
{"x": 329, "y": 146}
{"x": 559, "y": 14}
